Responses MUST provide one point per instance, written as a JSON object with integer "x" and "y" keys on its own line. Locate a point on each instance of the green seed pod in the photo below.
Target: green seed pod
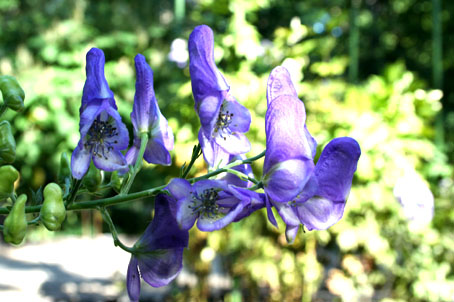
{"x": 8, "y": 175}
{"x": 7, "y": 144}
{"x": 64, "y": 172}
{"x": 13, "y": 95}
{"x": 53, "y": 211}
{"x": 116, "y": 181}
{"x": 92, "y": 179}
{"x": 15, "y": 225}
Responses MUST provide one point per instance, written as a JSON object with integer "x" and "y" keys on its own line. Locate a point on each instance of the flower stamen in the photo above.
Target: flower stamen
{"x": 205, "y": 204}
{"x": 223, "y": 122}
{"x": 98, "y": 137}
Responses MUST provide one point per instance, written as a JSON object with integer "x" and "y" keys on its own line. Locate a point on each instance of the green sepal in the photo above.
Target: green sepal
{"x": 8, "y": 175}
{"x": 13, "y": 94}
{"x": 15, "y": 225}
{"x": 7, "y": 144}
{"x": 53, "y": 211}
{"x": 92, "y": 179}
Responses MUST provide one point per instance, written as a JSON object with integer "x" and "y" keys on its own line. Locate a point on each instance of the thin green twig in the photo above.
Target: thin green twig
{"x": 117, "y": 242}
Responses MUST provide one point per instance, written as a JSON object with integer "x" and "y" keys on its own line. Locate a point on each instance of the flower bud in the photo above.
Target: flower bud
{"x": 116, "y": 181}
{"x": 53, "y": 211}
{"x": 7, "y": 144}
{"x": 8, "y": 175}
{"x": 13, "y": 95}
{"x": 15, "y": 225}
{"x": 64, "y": 171}
{"x": 92, "y": 179}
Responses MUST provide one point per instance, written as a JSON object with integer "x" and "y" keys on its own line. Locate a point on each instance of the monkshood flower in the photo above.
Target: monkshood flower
{"x": 159, "y": 257}
{"x": 415, "y": 197}
{"x": 102, "y": 133}
{"x": 147, "y": 118}
{"x": 213, "y": 203}
{"x": 223, "y": 120}
{"x": 314, "y": 196}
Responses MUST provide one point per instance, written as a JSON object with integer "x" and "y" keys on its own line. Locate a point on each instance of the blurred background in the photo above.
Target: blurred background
{"x": 375, "y": 70}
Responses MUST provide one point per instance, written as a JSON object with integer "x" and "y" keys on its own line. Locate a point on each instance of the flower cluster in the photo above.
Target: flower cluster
{"x": 102, "y": 133}
{"x": 302, "y": 192}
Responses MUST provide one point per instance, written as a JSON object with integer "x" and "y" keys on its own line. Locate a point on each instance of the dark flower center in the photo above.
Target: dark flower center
{"x": 223, "y": 122}
{"x": 99, "y": 137}
{"x": 205, "y": 203}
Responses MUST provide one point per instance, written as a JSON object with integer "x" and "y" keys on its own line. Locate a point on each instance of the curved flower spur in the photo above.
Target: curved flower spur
{"x": 102, "y": 133}
{"x": 223, "y": 120}
{"x": 314, "y": 196}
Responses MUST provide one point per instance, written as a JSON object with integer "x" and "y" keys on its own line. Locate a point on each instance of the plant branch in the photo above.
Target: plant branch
{"x": 109, "y": 201}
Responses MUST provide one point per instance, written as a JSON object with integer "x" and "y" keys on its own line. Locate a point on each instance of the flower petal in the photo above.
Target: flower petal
{"x": 252, "y": 201}
{"x": 133, "y": 280}
{"x": 163, "y": 232}
{"x": 96, "y": 86}
{"x": 161, "y": 130}
{"x": 205, "y": 77}
{"x": 241, "y": 119}
{"x": 291, "y": 232}
{"x": 213, "y": 154}
{"x": 112, "y": 161}
{"x": 143, "y": 110}
{"x": 269, "y": 212}
{"x": 132, "y": 154}
{"x": 156, "y": 153}
{"x": 287, "y": 212}
{"x": 234, "y": 144}
{"x": 320, "y": 213}
{"x": 161, "y": 267}
{"x": 285, "y": 132}
{"x": 279, "y": 83}
{"x": 287, "y": 179}
{"x": 179, "y": 188}
{"x": 185, "y": 215}
{"x": 335, "y": 168}
{"x": 80, "y": 161}
{"x": 208, "y": 224}
{"x": 122, "y": 138}
{"x": 208, "y": 111}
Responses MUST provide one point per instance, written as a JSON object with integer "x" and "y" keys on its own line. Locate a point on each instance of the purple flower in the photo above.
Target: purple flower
{"x": 314, "y": 196}
{"x": 102, "y": 133}
{"x": 159, "y": 257}
{"x": 213, "y": 203}
{"x": 223, "y": 120}
{"x": 147, "y": 118}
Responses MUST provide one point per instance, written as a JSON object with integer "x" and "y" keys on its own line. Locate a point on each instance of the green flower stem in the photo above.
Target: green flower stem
{"x": 242, "y": 176}
{"x": 227, "y": 168}
{"x": 73, "y": 194}
{"x": 138, "y": 165}
{"x": 105, "y": 202}
{"x": 257, "y": 186}
{"x": 196, "y": 152}
{"x": 117, "y": 241}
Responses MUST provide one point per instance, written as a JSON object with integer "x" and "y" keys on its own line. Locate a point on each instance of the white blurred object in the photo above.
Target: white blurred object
{"x": 416, "y": 198}
{"x": 179, "y": 52}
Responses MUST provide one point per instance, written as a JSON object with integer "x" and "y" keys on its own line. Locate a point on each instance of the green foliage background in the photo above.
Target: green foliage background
{"x": 372, "y": 254}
